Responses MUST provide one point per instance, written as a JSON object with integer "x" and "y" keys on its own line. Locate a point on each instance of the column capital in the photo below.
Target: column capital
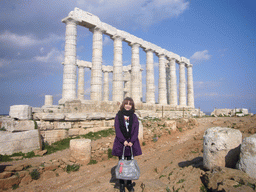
{"x": 117, "y": 37}
{"x": 97, "y": 29}
{"x": 189, "y": 65}
{"x": 70, "y": 20}
{"x": 134, "y": 44}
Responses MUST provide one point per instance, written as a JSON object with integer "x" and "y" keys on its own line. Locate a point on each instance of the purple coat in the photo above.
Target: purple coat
{"x": 120, "y": 139}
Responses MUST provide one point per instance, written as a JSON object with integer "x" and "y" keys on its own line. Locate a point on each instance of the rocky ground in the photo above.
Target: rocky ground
{"x": 171, "y": 161}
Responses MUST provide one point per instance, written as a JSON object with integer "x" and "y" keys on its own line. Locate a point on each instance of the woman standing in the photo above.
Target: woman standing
{"x": 127, "y": 130}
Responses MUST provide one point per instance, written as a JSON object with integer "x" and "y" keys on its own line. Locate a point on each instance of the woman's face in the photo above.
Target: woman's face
{"x": 128, "y": 106}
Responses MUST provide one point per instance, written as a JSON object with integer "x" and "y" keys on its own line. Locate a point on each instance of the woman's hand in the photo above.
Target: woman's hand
{"x": 126, "y": 143}
{"x": 130, "y": 144}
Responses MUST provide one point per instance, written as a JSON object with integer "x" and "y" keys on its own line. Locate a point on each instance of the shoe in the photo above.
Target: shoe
{"x": 122, "y": 189}
{"x": 130, "y": 188}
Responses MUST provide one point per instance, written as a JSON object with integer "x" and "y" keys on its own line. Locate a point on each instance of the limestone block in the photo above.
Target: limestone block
{"x": 140, "y": 136}
{"x": 247, "y": 162}
{"x": 45, "y": 125}
{"x": 21, "y": 112}
{"x": 95, "y": 116}
{"x": 37, "y": 110}
{"x": 53, "y": 116}
{"x": 110, "y": 116}
{"x": 170, "y": 124}
{"x": 19, "y": 142}
{"x": 221, "y": 147}
{"x": 24, "y": 125}
{"x": 80, "y": 150}
{"x": 62, "y": 125}
{"x": 52, "y": 136}
{"x": 76, "y": 117}
{"x": 74, "y": 132}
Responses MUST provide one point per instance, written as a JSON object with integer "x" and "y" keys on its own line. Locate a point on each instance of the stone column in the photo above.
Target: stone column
{"x": 162, "y": 96}
{"x": 182, "y": 93}
{"x": 80, "y": 89}
{"x": 69, "y": 69}
{"x": 48, "y": 101}
{"x": 118, "y": 85}
{"x": 141, "y": 94}
{"x": 167, "y": 69}
{"x": 96, "y": 71}
{"x": 190, "y": 86}
{"x": 106, "y": 86}
{"x": 173, "y": 84}
{"x": 135, "y": 72}
{"x": 127, "y": 81}
{"x": 150, "y": 82}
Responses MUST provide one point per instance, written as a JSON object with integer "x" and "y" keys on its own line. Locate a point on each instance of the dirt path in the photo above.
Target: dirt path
{"x": 164, "y": 166}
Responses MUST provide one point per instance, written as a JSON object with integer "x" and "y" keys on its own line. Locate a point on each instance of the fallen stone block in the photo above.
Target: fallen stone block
{"x": 19, "y": 142}
{"x": 247, "y": 162}
{"x": 80, "y": 150}
{"x": 221, "y": 147}
{"x": 23, "y": 112}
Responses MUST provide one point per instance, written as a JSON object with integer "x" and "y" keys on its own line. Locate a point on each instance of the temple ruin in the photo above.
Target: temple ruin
{"x": 127, "y": 80}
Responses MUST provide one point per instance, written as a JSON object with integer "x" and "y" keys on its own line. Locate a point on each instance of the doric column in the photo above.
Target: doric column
{"x": 162, "y": 96}
{"x": 96, "y": 71}
{"x": 190, "y": 86}
{"x": 106, "y": 86}
{"x": 182, "y": 85}
{"x": 127, "y": 80}
{"x": 150, "y": 82}
{"x": 141, "y": 94}
{"x": 135, "y": 72}
{"x": 173, "y": 84}
{"x": 118, "y": 85}
{"x": 80, "y": 88}
{"x": 69, "y": 69}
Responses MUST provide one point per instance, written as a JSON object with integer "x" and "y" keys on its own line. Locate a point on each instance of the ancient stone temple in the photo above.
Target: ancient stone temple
{"x": 127, "y": 80}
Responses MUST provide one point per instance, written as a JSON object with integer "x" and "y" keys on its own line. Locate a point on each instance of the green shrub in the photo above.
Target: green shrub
{"x": 35, "y": 174}
{"x": 74, "y": 167}
{"x": 110, "y": 153}
{"x": 143, "y": 143}
{"x": 15, "y": 186}
{"x": 2, "y": 129}
{"x": 35, "y": 123}
{"x": 92, "y": 162}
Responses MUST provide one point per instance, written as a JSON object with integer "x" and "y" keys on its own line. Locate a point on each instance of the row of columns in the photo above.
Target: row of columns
{"x": 69, "y": 74}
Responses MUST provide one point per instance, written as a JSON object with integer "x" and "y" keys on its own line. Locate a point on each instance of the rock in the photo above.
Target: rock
{"x": 25, "y": 180}
{"x": 221, "y": 147}
{"x": 227, "y": 179}
{"x": 20, "y": 125}
{"x": 23, "y": 112}
{"x": 40, "y": 152}
{"x": 62, "y": 125}
{"x": 76, "y": 117}
{"x": 53, "y": 116}
{"x": 80, "y": 149}
{"x": 52, "y": 136}
{"x": 247, "y": 162}
{"x": 96, "y": 116}
{"x": 48, "y": 175}
{"x": 9, "y": 182}
{"x": 19, "y": 142}
{"x": 45, "y": 125}
{"x": 170, "y": 124}
{"x": 5, "y": 175}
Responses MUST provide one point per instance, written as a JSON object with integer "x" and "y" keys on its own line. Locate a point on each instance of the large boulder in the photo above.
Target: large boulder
{"x": 80, "y": 150}
{"x": 23, "y": 112}
{"x": 19, "y": 142}
{"x": 221, "y": 147}
{"x": 247, "y": 162}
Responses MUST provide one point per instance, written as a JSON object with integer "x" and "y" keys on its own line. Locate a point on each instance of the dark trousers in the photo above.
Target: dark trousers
{"x": 120, "y": 180}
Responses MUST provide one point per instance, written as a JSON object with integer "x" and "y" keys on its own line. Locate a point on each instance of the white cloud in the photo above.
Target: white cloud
{"x": 53, "y": 56}
{"x": 10, "y": 38}
{"x": 143, "y": 12}
{"x": 206, "y": 85}
{"x": 201, "y": 56}
{"x": 107, "y": 41}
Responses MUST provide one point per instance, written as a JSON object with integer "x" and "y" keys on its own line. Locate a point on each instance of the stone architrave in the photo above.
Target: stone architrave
{"x": 150, "y": 82}
{"x": 135, "y": 73}
{"x": 162, "y": 94}
{"x": 48, "y": 100}
{"x": 173, "y": 84}
{"x": 22, "y": 112}
{"x": 118, "y": 86}
{"x": 69, "y": 70}
{"x": 96, "y": 71}
{"x": 247, "y": 162}
{"x": 182, "y": 85}
{"x": 190, "y": 86}
{"x": 80, "y": 88}
{"x": 80, "y": 150}
{"x": 221, "y": 147}
{"x": 24, "y": 142}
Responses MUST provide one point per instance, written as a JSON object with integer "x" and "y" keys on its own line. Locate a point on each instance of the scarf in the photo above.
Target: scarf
{"x": 122, "y": 126}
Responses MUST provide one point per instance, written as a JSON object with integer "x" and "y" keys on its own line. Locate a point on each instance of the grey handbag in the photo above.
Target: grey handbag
{"x": 127, "y": 169}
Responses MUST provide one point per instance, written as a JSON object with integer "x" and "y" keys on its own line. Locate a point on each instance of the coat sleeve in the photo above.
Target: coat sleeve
{"x": 135, "y": 131}
{"x": 119, "y": 134}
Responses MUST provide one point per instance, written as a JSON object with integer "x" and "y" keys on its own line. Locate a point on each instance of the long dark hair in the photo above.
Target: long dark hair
{"x": 125, "y": 101}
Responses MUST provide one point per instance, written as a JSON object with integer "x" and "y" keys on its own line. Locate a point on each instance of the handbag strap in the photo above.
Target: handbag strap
{"x": 131, "y": 153}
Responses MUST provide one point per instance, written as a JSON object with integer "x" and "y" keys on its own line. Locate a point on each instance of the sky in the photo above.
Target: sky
{"x": 217, "y": 36}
